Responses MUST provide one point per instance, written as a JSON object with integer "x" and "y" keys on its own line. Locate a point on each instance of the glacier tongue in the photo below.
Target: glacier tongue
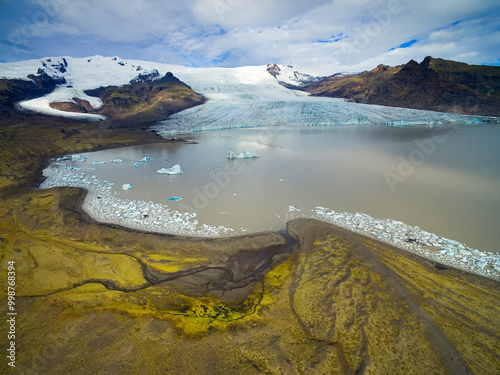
{"x": 251, "y": 97}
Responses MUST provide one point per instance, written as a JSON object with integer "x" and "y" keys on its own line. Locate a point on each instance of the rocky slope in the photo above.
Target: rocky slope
{"x": 95, "y": 88}
{"x": 15, "y": 90}
{"x": 434, "y": 84}
{"x": 147, "y": 98}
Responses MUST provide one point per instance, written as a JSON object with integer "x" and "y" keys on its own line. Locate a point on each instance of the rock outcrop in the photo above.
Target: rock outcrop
{"x": 434, "y": 84}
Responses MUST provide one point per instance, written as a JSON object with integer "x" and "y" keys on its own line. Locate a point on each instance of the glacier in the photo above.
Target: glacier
{"x": 251, "y": 97}
{"x": 237, "y": 97}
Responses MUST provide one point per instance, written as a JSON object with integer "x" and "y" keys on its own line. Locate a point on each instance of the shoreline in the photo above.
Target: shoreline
{"x": 149, "y": 217}
{"x": 346, "y": 232}
{"x": 113, "y": 136}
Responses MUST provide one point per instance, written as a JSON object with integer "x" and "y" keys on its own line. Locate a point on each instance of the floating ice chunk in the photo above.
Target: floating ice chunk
{"x": 137, "y": 164}
{"x": 242, "y": 155}
{"x": 446, "y": 252}
{"x": 281, "y": 180}
{"x": 146, "y": 159}
{"x": 496, "y": 266}
{"x": 117, "y": 160}
{"x": 127, "y": 186}
{"x": 293, "y": 208}
{"x": 176, "y": 169}
{"x": 481, "y": 262}
{"x": 98, "y": 162}
{"x": 174, "y": 199}
{"x": 78, "y": 157}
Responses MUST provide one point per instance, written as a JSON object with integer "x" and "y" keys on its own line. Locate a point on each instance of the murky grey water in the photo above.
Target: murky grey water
{"x": 446, "y": 181}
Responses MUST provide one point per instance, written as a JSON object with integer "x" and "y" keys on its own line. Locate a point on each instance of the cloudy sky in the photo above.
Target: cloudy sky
{"x": 317, "y": 36}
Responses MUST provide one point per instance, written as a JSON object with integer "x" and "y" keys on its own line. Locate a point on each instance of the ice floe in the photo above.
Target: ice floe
{"x": 173, "y": 199}
{"x": 241, "y": 155}
{"x": 78, "y": 157}
{"x": 127, "y": 186}
{"x": 176, "y": 169}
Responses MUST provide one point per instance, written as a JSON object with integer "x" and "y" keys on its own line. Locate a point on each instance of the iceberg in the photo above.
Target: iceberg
{"x": 137, "y": 164}
{"x": 78, "y": 157}
{"x": 98, "y": 162}
{"x": 481, "y": 263}
{"x": 242, "y": 155}
{"x": 173, "y": 199}
{"x": 146, "y": 159}
{"x": 176, "y": 169}
{"x": 117, "y": 160}
{"x": 127, "y": 186}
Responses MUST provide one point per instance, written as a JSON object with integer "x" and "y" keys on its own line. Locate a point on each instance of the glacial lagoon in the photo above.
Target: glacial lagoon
{"x": 433, "y": 190}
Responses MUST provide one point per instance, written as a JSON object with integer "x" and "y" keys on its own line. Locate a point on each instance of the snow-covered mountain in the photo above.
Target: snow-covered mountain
{"x": 287, "y": 75}
{"x": 81, "y": 74}
{"x": 237, "y": 97}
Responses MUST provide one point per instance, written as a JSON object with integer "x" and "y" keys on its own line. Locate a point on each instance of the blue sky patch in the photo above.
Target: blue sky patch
{"x": 405, "y": 44}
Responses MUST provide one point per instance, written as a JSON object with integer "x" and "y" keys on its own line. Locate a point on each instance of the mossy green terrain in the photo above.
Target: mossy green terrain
{"x": 102, "y": 299}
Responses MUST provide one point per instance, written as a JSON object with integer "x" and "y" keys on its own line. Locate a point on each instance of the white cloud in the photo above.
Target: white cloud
{"x": 124, "y": 21}
{"x": 255, "y": 13}
{"x": 324, "y": 35}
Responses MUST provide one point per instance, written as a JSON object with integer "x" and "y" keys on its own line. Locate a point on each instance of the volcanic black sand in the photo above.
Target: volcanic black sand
{"x": 102, "y": 299}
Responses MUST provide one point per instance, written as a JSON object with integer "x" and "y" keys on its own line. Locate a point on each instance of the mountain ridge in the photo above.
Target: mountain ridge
{"x": 434, "y": 84}
{"x": 95, "y": 88}
{"x": 62, "y": 85}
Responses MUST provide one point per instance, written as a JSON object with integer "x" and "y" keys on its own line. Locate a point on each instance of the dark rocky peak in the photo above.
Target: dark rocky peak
{"x": 147, "y": 76}
{"x": 381, "y": 68}
{"x": 427, "y": 61}
{"x": 170, "y": 78}
{"x": 412, "y": 64}
{"x": 44, "y": 81}
{"x": 54, "y": 68}
{"x": 60, "y": 67}
{"x": 273, "y": 69}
